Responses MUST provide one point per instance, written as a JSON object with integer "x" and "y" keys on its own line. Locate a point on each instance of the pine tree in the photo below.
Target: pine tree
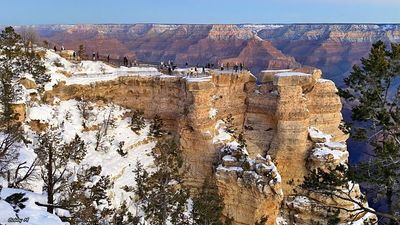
{"x": 76, "y": 148}
{"x": 137, "y": 121}
{"x": 141, "y": 176}
{"x": 374, "y": 93}
{"x": 53, "y": 156}
{"x": 162, "y": 194}
{"x": 11, "y": 69}
{"x": 14, "y": 61}
{"x": 35, "y": 66}
{"x": 208, "y": 205}
{"x": 122, "y": 216}
{"x": 87, "y": 201}
{"x": 156, "y": 127}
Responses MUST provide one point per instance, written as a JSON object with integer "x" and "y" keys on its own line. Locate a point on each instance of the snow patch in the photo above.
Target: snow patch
{"x": 35, "y": 214}
{"x": 212, "y": 113}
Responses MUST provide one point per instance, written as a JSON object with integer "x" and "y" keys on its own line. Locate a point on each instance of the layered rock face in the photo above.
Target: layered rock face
{"x": 259, "y": 187}
{"x": 275, "y": 117}
{"x": 332, "y": 47}
{"x": 153, "y": 43}
{"x": 326, "y": 155}
{"x": 185, "y": 104}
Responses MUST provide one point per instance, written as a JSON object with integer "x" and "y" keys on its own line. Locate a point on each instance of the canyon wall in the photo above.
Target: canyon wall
{"x": 275, "y": 116}
{"x": 332, "y": 47}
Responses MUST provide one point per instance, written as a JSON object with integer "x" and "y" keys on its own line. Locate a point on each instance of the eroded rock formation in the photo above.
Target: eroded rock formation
{"x": 334, "y": 48}
{"x": 275, "y": 116}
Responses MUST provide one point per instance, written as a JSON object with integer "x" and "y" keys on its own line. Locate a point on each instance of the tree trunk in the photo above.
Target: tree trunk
{"x": 50, "y": 183}
{"x": 389, "y": 202}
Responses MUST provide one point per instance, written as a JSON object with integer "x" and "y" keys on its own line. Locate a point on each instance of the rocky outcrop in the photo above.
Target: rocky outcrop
{"x": 303, "y": 100}
{"x": 183, "y": 103}
{"x": 313, "y": 208}
{"x": 257, "y": 180}
{"x": 283, "y": 119}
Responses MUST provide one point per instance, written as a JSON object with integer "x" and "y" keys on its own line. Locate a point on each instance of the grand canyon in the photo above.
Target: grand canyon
{"x": 334, "y": 48}
{"x": 157, "y": 124}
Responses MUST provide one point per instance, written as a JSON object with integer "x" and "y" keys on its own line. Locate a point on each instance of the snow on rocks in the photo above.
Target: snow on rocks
{"x": 318, "y": 136}
{"x": 260, "y": 173}
{"x": 222, "y": 136}
{"x": 326, "y": 154}
{"x": 329, "y": 154}
{"x": 212, "y": 113}
{"x": 292, "y": 79}
{"x": 42, "y": 113}
{"x": 280, "y": 220}
{"x": 87, "y": 72}
{"x": 236, "y": 164}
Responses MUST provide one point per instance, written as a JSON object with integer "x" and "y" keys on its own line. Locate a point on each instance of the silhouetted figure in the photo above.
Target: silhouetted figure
{"x": 55, "y": 48}
{"x": 94, "y": 56}
{"x": 108, "y": 58}
{"x": 125, "y": 61}
{"x": 74, "y": 55}
{"x": 203, "y": 70}
{"x": 241, "y": 66}
{"x": 222, "y": 66}
{"x": 186, "y": 64}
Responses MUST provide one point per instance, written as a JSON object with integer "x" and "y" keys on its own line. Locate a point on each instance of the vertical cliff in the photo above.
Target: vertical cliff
{"x": 275, "y": 114}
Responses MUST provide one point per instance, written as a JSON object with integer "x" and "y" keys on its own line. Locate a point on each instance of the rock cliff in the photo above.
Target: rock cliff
{"x": 286, "y": 119}
{"x": 332, "y": 47}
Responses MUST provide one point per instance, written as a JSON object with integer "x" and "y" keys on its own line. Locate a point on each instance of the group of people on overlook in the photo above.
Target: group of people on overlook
{"x": 169, "y": 66}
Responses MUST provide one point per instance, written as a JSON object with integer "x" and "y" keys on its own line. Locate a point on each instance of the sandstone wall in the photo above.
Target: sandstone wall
{"x": 223, "y": 93}
{"x": 184, "y": 104}
{"x": 274, "y": 115}
{"x": 153, "y": 95}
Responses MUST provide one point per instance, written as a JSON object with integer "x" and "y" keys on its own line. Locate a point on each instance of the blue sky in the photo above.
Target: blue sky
{"x": 22, "y": 12}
